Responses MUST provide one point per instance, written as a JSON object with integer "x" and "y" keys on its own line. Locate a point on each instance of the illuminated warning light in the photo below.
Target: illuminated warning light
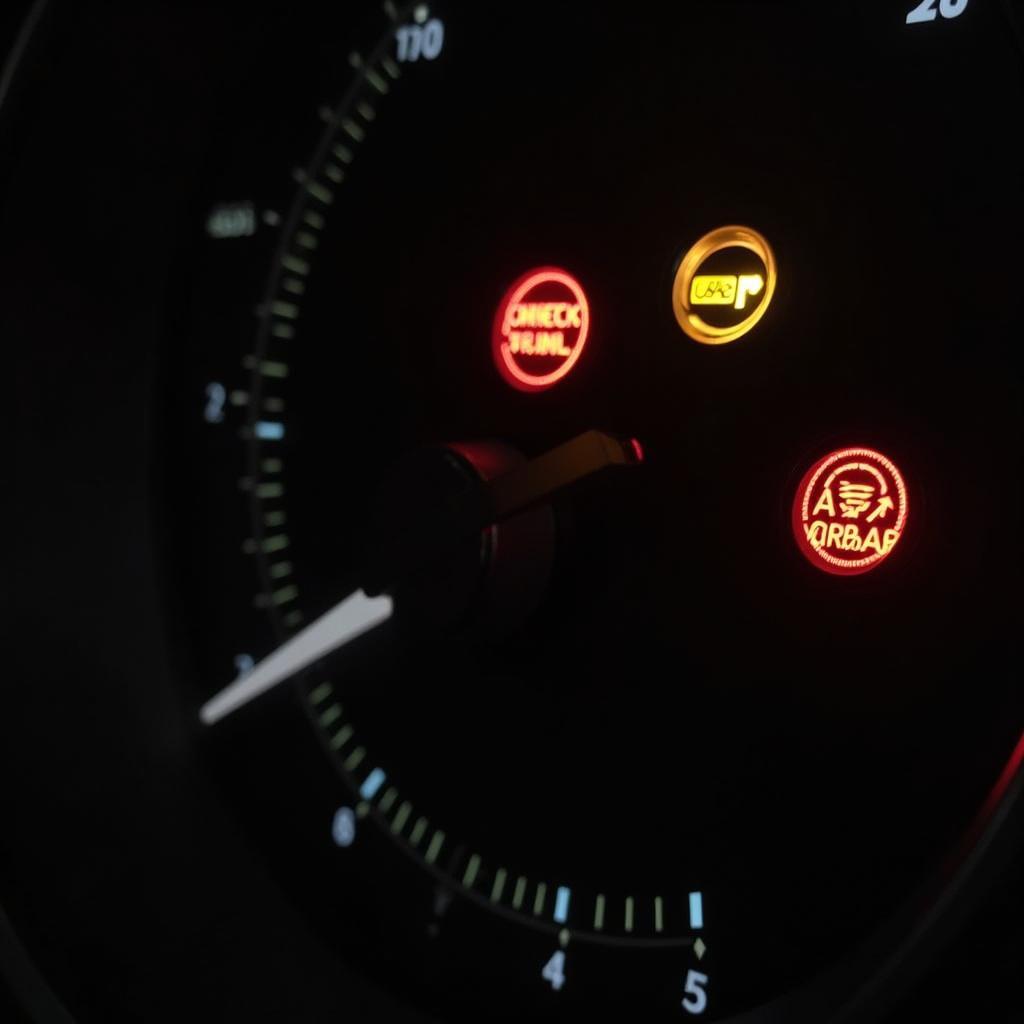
{"x": 540, "y": 329}
{"x": 725, "y": 289}
{"x": 723, "y": 285}
{"x": 850, "y": 511}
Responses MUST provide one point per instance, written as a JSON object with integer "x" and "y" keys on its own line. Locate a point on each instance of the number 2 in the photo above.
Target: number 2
{"x": 926, "y": 11}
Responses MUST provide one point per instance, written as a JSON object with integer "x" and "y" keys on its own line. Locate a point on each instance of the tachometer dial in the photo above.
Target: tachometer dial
{"x": 595, "y": 730}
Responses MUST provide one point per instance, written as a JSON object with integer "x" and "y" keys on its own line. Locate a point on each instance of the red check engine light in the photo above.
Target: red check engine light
{"x": 540, "y": 329}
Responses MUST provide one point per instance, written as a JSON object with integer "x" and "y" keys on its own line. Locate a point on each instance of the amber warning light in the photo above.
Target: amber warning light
{"x": 540, "y": 329}
{"x": 850, "y": 511}
{"x": 723, "y": 285}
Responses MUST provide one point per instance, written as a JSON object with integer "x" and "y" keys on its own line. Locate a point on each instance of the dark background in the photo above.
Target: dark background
{"x": 101, "y": 152}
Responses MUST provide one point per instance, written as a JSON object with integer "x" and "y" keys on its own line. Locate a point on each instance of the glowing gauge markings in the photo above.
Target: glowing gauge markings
{"x": 850, "y": 511}
{"x": 540, "y": 329}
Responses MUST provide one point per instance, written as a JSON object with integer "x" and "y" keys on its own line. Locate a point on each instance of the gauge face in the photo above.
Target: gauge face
{"x": 627, "y": 747}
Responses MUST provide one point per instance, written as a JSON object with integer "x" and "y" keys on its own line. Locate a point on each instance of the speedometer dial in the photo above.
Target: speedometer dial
{"x": 617, "y": 462}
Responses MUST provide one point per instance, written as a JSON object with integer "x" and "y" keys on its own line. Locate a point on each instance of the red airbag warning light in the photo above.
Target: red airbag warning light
{"x": 850, "y": 511}
{"x": 540, "y": 329}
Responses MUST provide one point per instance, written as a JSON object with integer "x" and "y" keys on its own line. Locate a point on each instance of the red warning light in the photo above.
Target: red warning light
{"x": 850, "y": 511}
{"x": 540, "y": 329}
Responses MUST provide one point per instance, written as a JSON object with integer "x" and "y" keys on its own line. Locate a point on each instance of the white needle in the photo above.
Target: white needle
{"x": 350, "y": 618}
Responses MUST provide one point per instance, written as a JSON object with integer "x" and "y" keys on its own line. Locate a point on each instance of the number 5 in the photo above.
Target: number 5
{"x": 696, "y": 999}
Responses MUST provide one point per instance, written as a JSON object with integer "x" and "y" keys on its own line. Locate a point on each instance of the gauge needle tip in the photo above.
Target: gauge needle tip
{"x": 348, "y": 619}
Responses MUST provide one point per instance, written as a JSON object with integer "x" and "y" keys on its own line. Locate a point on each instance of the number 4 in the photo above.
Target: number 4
{"x": 696, "y": 999}
{"x": 554, "y": 971}
{"x": 925, "y": 11}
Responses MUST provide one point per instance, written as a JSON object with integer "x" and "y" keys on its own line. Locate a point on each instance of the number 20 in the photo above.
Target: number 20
{"x": 926, "y": 11}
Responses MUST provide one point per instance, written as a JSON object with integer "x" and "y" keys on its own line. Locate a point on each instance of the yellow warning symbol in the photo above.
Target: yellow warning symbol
{"x": 725, "y": 289}
{"x": 716, "y": 308}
